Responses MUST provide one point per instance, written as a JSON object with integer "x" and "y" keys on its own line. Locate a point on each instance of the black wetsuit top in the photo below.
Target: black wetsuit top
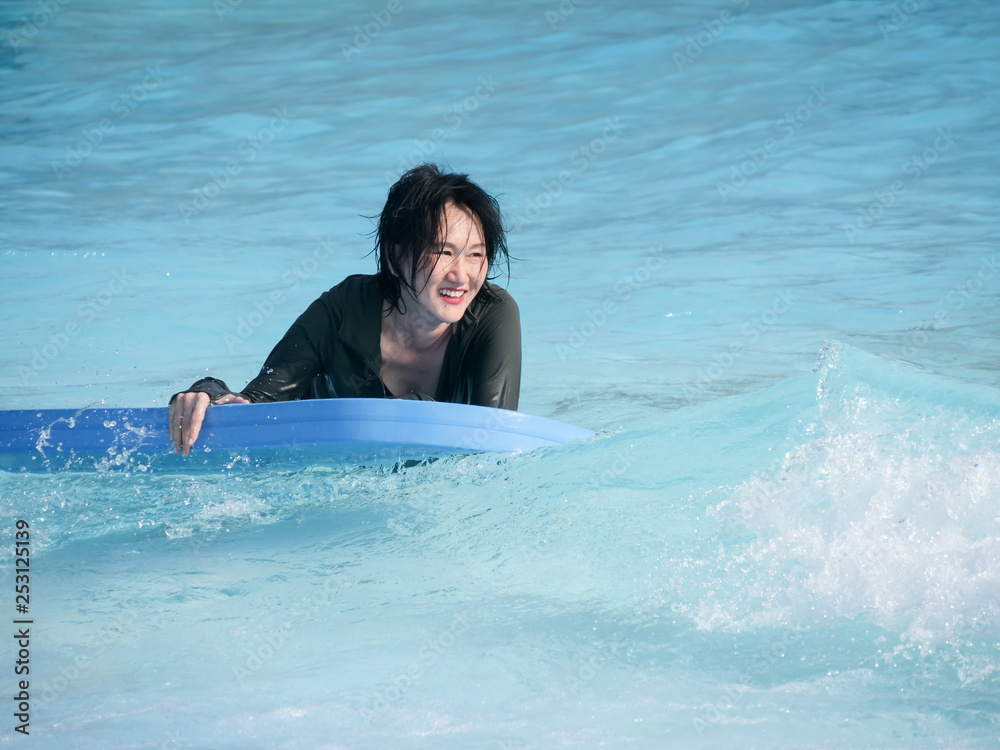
{"x": 334, "y": 351}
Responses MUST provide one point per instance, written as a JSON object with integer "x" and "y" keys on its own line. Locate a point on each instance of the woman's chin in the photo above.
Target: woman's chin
{"x": 452, "y": 314}
{"x": 448, "y": 312}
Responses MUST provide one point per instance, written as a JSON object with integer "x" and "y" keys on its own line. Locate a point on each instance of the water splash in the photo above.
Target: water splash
{"x": 886, "y": 508}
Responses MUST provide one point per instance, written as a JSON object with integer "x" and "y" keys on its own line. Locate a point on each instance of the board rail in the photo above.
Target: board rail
{"x": 294, "y": 433}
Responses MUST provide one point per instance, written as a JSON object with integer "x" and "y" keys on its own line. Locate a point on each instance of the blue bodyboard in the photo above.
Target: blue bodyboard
{"x": 292, "y": 433}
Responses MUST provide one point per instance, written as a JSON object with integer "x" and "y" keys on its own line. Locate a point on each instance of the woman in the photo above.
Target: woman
{"x": 429, "y": 325}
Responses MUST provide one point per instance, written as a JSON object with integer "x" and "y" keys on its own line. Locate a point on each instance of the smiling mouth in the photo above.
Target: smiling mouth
{"x": 452, "y": 294}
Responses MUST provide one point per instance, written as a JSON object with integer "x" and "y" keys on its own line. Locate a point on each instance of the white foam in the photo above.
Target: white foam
{"x": 890, "y": 511}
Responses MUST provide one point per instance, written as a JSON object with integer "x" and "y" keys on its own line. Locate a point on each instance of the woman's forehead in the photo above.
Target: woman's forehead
{"x": 462, "y": 223}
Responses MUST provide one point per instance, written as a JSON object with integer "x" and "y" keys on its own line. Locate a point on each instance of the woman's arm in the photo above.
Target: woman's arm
{"x": 496, "y": 356}
{"x": 287, "y": 374}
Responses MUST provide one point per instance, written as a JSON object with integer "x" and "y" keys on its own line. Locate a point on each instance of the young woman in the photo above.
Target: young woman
{"x": 429, "y": 325}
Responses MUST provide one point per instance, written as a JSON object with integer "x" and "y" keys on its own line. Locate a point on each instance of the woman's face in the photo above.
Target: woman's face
{"x": 453, "y": 272}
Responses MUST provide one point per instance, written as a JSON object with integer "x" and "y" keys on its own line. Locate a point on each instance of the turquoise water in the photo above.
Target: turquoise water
{"x": 758, "y": 255}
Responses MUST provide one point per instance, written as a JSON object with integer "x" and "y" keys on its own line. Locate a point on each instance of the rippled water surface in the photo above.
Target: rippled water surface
{"x": 757, "y": 253}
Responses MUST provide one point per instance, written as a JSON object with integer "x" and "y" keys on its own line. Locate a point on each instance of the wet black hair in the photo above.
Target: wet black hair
{"x": 410, "y": 226}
